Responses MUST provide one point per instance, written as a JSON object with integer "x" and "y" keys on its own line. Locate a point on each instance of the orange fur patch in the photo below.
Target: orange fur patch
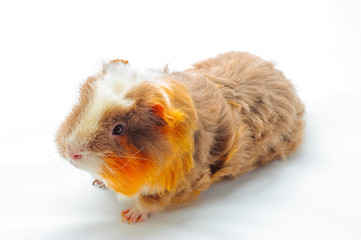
{"x": 179, "y": 131}
{"x": 128, "y": 174}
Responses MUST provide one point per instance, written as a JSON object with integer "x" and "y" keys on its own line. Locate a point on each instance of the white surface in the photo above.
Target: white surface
{"x": 47, "y": 49}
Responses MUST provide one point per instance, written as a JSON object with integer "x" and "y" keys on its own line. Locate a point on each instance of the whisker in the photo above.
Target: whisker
{"x": 114, "y": 155}
{"x": 110, "y": 171}
{"x": 130, "y": 159}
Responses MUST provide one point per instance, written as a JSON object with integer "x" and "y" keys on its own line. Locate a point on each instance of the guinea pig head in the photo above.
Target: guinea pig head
{"x": 133, "y": 133}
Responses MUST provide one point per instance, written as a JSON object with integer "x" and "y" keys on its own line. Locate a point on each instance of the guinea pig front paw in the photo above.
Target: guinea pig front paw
{"x": 134, "y": 215}
{"x": 98, "y": 183}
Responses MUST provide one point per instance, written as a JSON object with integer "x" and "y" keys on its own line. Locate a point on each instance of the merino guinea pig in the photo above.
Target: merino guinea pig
{"x": 161, "y": 138}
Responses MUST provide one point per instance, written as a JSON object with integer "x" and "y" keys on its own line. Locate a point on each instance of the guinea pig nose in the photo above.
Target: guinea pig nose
{"x": 74, "y": 152}
{"x": 76, "y": 156}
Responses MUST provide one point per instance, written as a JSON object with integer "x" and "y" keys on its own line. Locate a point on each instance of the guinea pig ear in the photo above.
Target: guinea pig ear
{"x": 159, "y": 110}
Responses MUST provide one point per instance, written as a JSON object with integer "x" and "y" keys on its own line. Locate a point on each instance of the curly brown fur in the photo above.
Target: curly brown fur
{"x": 248, "y": 115}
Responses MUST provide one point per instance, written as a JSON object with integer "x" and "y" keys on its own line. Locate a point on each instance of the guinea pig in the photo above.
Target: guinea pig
{"x": 161, "y": 138}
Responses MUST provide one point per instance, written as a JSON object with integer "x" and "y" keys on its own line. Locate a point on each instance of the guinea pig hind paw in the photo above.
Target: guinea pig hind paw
{"x": 134, "y": 215}
{"x": 99, "y": 183}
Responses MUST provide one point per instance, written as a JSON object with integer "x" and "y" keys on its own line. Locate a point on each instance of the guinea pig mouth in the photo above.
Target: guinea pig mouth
{"x": 75, "y": 163}
{"x": 89, "y": 162}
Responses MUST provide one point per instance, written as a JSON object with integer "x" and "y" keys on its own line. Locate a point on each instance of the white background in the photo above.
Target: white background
{"x": 48, "y": 48}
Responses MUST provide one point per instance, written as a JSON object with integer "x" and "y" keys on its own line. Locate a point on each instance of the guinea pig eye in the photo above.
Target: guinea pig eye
{"x": 118, "y": 130}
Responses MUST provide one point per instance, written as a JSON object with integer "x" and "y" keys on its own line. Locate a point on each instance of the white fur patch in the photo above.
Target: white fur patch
{"x": 108, "y": 92}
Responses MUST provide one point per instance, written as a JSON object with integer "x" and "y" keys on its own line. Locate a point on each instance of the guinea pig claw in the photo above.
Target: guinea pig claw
{"x": 133, "y": 215}
{"x": 99, "y": 183}
{"x": 125, "y": 212}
